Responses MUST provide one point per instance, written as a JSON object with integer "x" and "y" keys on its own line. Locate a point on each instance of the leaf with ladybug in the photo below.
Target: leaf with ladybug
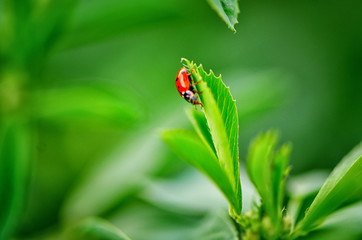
{"x": 218, "y": 127}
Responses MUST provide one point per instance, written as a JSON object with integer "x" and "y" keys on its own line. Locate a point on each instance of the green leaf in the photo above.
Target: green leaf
{"x": 199, "y": 122}
{"x": 268, "y": 170}
{"x": 199, "y": 155}
{"x": 217, "y": 226}
{"x": 343, "y": 184}
{"x": 14, "y": 171}
{"x": 342, "y": 224}
{"x": 96, "y": 229}
{"x": 258, "y": 166}
{"x": 302, "y": 189}
{"x": 228, "y": 10}
{"x": 279, "y": 173}
{"x": 89, "y": 103}
{"x": 221, "y": 114}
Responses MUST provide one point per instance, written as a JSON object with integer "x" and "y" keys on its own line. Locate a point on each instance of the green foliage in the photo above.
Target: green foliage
{"x": 96, "y": 229}
{"x": 222, "y": 126}
{"x": 342, "y": 224}
{"x": 14, "y": 172}
{"x": 228, "y": 10}
{"x": 191, "y": 149}
{"x": 100, "y": 104}
{"x": 301, "y": 190}
{"x": 343, "y": 185}
{"x": 199, "y": 122}
{"x": 213, "y": 152}
{"x": 222, "y": 119}
{"x": 268, "y": 170}
{"x": 78, "y": 136}
{"x": 119, "y": 176}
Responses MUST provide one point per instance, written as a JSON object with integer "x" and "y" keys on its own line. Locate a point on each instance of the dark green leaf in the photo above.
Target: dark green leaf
{"x": 14, "y": 170}
{"x": 228, "y": 10}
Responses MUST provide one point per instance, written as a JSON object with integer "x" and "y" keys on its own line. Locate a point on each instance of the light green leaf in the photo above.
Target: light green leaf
{"x": 199, "y": 155}
{"x": 342, "y": 224}
{"x": 302, "y": 189}
{"x": 96, "y": 229}
{"x": 221, "y": 114}
{"x": 258, "y": 165}
{"x": 343, "y": 184}
{"x": 268, "y": 170}
{"x": 89, "y": 103}
{"x": 217, "y": 226}
{"x": 14, "y": 170}
{"x": 228, "y": 10}
{"x": 279, "y": 172}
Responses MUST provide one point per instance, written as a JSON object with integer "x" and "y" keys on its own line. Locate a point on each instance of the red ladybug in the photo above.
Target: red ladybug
{"x": 185, "y": 88}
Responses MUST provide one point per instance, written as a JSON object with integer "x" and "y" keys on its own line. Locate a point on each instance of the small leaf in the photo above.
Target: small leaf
{"x": 14, "y": 170}
{"x": 96, "y": 229}
{"x": 217, "y": 226}
{"x": 343, "y": 184}
{"x": 221, "y": 114}
{"x": 259, "y": 169}
{"x": 228, "y": 10}
{"x": 200, "y": 156}
{"x": 268, "y": 171}
{"x": 279, "y": 173}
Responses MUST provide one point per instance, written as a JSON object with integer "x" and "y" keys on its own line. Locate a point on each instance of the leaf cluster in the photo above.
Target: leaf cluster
{"x": 214, "y": 151}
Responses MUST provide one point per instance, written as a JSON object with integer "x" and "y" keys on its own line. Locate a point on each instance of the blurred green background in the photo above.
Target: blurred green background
{"x": 87, "y": 86}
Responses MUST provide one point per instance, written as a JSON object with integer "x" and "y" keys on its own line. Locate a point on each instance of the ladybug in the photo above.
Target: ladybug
{"x": 185, "y": 88}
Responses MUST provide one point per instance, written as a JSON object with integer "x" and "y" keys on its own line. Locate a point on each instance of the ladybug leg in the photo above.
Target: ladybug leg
{"x": 198, "y": 103}
{"x": 194, "y": 84}
{"x": 202, "y": 105}
{"x": 189, "y": 74}
{"x": 197, "y": 92}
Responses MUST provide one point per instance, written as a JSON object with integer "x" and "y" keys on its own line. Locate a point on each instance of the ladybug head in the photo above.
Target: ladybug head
{"x": 189, "y": 96}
